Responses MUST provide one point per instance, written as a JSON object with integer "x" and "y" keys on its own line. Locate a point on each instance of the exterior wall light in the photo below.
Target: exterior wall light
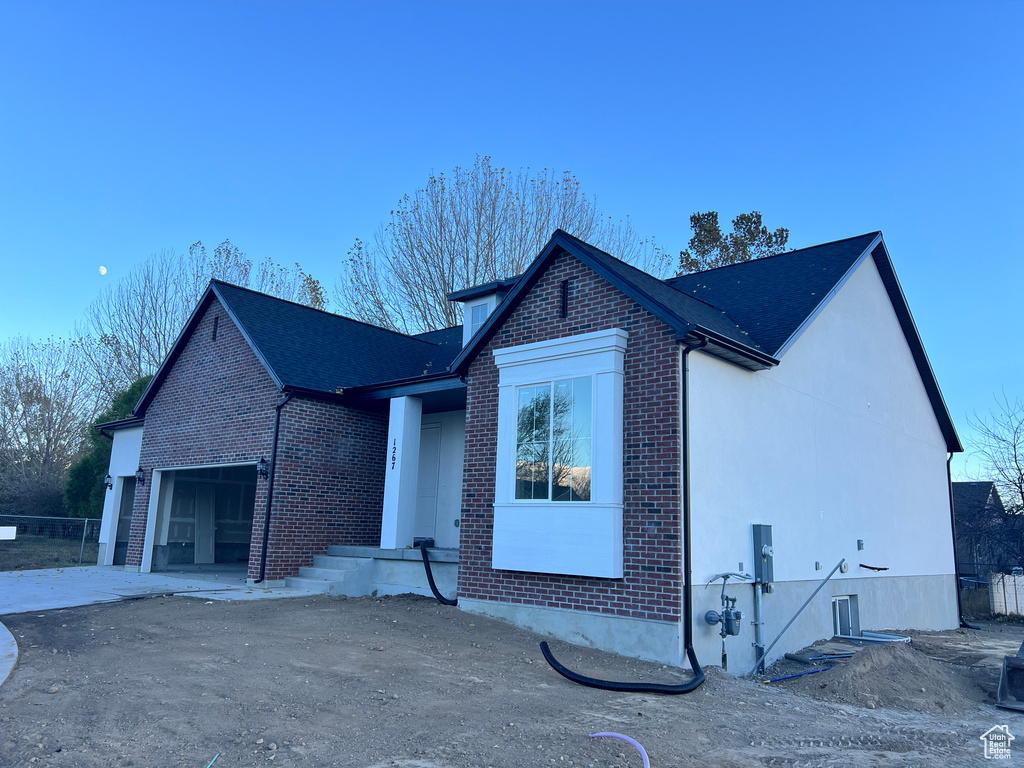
{"x": 109, "y": 482}
{"x": 261, "y": 468}
{"x": 140, "y": 476}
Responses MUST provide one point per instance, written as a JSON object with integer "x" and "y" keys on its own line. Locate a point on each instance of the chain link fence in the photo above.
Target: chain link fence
{"x": 49, "y": 542}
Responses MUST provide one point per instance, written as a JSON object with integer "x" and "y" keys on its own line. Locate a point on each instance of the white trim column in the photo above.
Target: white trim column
{"x": 401, "y": 470}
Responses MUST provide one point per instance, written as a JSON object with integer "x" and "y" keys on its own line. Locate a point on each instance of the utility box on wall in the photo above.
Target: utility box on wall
{"x": 764, "y": 555}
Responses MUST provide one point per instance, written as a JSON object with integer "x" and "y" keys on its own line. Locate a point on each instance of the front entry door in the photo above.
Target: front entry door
{"x": 206, "y": 522}
{"x": 426, "y": 481}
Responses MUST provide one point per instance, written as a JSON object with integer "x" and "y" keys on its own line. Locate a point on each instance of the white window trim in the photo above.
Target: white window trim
{"x": 581, "y": 538}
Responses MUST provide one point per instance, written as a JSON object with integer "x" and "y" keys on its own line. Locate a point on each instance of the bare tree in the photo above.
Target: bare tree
{"x": 998, "y": 441}
{"x": 469, "y": 227}
{"x": 47, "y": 401}
{"x": 130, "y": 328}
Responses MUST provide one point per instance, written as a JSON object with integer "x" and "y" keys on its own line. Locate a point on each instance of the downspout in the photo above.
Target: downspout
{"x": 691, "y": 655}
{"x": 956, "y": 557}
{"x": 270, "y": 488}
{"x": 687, "y": 554}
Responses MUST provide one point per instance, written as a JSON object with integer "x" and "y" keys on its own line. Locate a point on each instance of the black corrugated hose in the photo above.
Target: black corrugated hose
{"x": 698, "y": 671}
{"x": 430, "y": 576}
{"x": 612, "y": 685}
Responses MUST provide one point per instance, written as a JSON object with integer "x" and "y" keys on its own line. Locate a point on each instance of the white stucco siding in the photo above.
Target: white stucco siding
{"x": 837, "y": 443}
{"x": 124, "y": 460}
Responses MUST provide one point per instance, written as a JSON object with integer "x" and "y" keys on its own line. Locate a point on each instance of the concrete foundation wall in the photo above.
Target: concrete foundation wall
{"x": 659, "y": 641}
{"x": 399, "y": 577}
{"x": 884, "y": 603}
{"x": 897, "y": 603}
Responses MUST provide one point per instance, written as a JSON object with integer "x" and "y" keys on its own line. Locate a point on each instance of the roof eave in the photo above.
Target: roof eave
{"x": 827, "y": 298}
{"x": 728, "y": 350}
{"x": 504, "y": 285}
{"x": 887, "y": 272}
{"x": 561, "y": 243}
{"x": 558, "y": 244}
{"x": 118, "y": 424}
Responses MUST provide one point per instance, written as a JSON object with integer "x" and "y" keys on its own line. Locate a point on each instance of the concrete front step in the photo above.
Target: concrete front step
{"x": 352, "y": 576}
{"x": 315, "y": 585}
{"x": 435, "y": 555}
{"x": 357, "y": 571}
{"x": 331, "y": 563}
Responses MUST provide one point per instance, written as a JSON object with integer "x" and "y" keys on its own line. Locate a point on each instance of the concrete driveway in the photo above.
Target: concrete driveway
{"x": 44, "y": 590}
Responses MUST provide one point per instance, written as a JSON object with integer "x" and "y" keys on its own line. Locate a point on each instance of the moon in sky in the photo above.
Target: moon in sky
{"x": 103, "y": 270}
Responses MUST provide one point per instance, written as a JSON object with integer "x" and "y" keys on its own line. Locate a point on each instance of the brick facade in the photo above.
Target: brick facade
{"x": 651, "y": 587}
{"x": 216, "y": 406}
{"x": 329, "y": 486}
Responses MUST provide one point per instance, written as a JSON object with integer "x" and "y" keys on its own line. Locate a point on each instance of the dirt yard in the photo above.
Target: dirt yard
{"x": 178, "y": 681}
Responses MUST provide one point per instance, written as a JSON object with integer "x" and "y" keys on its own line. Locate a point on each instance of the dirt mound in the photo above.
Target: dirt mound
{"x": 896, "y": 676}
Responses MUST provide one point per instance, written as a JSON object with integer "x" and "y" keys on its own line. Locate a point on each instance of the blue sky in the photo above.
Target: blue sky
{"x": 293, "y": 128}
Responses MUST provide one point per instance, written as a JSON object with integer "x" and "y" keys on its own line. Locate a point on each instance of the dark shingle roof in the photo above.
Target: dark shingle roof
{"x": 314, "y": 351}
{"x": 770, "y": 298}
{"x": 444, "y": 336}
{"x": 747, "y": 314}
{"x": 691, "y": 309}
{"x": 320, "y": 351}
{"x": 975, "y": 496}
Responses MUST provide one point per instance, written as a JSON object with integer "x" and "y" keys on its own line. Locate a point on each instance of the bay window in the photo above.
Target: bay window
{"x": 558, "y": 481}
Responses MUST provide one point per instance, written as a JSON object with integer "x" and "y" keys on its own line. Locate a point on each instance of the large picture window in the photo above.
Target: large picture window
{"x": 553, "y": 441}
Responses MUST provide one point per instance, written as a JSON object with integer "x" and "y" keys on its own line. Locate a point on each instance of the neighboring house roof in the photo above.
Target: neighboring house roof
{"x": 311, "y": 350}
{"x": 749, "y": 314}
{"x": 976, "y": 496}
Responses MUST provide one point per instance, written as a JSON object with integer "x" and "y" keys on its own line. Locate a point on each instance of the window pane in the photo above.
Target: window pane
{"x": 561, "y": 468}
{"x": 478, "y": 316}
{"x": 526, "y": 461}
{"x": 580, "y": 482}
{"x": 581, "y": 407}
{"x": 570, "y": 448}
{"x": 553, "y": 441}
{"x": 533, "y": 442}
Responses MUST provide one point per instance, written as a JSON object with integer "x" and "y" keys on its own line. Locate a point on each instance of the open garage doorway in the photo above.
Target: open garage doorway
{"x": 205, "y": 517}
